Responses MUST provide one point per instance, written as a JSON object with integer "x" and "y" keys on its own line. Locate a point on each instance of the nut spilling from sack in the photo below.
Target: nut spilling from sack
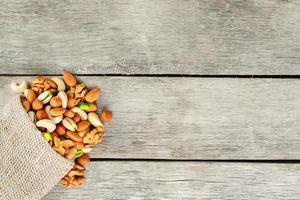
{"x": 65, "y": 111}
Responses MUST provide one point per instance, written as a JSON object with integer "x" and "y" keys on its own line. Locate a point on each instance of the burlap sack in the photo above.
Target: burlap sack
{"x": 29, "y": 168}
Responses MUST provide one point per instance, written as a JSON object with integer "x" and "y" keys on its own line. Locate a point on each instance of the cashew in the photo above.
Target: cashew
{"x": 19, "y": 88}
{"x": 86, "y": 149}
{"x": 58, "y": 119}
{"x": 94, "y": 119}
{"x": 32, "y": 116}
{"x": 46, "y": 123}
{"x": 26, "y": 92}
{"x": 60, "y": 84}
{"x": 45, "y": 97}
{"x": 47, "y": 109}
{"x": 64, "y": 98}
{"x": 69, "y": 124}
{"x": 80, "y": 112}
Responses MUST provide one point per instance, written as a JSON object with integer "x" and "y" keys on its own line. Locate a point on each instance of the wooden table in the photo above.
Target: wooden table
{"x": 205, "y": 94}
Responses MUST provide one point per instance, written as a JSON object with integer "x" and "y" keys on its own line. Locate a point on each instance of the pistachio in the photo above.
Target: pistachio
{"x": 47, "y": 136}
{"x": 69, "y": 124}
{"x": 19, "y": 88}
{"x": 64, "y": 99}
{"x": 81, "y": 113}
{"x": 92, "y": 95}
{"x": 32, "y": 116}
{"x": 84, "y": 106}
{"x": 69, "y": 79}
{"x": 55, "y": 102}
{"x": 37, "y": 105}
{"x": 45, "y": 97}
{"x": 57, "y": 119}
{"x": 94, "y": 119}
{"x": 57, "y": 111}
{"x": 60, "y": 84}
{"x": 46, "y": 123}
{"x": 78, "y": 153}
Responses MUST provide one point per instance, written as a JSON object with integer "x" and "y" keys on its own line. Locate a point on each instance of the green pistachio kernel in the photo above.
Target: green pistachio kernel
{"x": 78, "y": 153}
{"x": 47, "y": 136}
{"x": 49, "y": 94}
{"x": 84, "y": 106}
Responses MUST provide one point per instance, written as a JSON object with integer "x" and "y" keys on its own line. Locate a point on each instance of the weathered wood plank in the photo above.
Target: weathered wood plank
{"x": 150, "y": 37}
{"x": 177, "y": 180}
{"x": 197, "y": 118}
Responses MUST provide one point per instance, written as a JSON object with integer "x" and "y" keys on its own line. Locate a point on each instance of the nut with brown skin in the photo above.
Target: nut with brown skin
{"x": 83, "y": 125}
{"x": 57, "y": 111}
{"x": 31, "y": 96}
{"x": 55, "y": 102}
{"x": 37, "y": 105}
{"x": 60, "y": 130}
{"x": 76, "y": 118}
{"x": 25, "y": 104}
{"x": 69, "y": 114}
{"x": 92, "y": 108}
{"x": 92, "y": 95}
{"x": 73, "y": 136}
{"x": 106, "y": 116}
{"x": 72, "y": 102}
{"x": 84, "y": 159}
{"x": 69, "y": 79}
{"x": 41, "y": 114}
{"x": 69, "y": 154}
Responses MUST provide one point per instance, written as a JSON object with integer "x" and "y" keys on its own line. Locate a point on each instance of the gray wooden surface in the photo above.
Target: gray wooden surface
{"x": 150, "y": 36}
{"x": 192, "y": 118}
{"x": 165, "y": 129}
{"x": 193, "y": 180}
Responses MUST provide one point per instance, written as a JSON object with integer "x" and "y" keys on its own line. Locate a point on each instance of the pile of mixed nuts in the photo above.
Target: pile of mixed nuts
{"x": 65, "y": 112}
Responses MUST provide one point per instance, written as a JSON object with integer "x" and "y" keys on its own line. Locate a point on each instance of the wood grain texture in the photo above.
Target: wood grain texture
{"x": 196, "y": 118}
{"x": 150, "y": 37}
{"x": 192, "y": 180}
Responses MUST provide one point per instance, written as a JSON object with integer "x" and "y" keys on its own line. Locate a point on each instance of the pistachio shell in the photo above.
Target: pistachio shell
{"x": 64, "y": 99}
{"x": 69, "y": 124}
{"x": 94, "y": 119}
{"x": 46, "y": 123}
{"x": 60, "y": 83}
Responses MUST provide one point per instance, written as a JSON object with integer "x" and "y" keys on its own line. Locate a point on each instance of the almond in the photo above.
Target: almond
{"x": 106, "y": 116}
{"x": 76, "y": 118}
{"x": 57, "y": 111}
{"x": 92, "y": 95}
{"x": 92, "y": 108}
{"x": 69, "y": 114}
{"x": 26, "y": 105}
{"x": 60, "y": 130}
{"x": 69, "y": 79}
{"x": 55, "y": 102}
{"x": 41, "y": 114}
{"x": 37, "y": 105}
{"x": 74, "y": 136}
{"x": 83, "y": 125}
{"x": 31, "y": 96}
{"x": 84, "y": 159}
{"x": 72, "y": 103}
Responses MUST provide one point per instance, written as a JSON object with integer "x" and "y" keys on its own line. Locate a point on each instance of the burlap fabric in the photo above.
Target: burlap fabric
{"x": 29, "y": 168}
